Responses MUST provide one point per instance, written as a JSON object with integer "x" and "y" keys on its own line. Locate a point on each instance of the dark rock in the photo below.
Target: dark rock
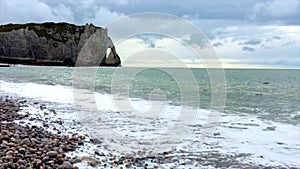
{"x": 96, "y": 141}
{"x": 270, "y": 128}
{"x": 99, "y": 154}
{"x": 45, "y": 159}
{"x": 165, "y": 153}
{"x": 22, "y": 151}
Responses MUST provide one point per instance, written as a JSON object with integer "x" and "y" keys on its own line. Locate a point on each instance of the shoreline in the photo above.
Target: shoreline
{"x": 87, "y": 152}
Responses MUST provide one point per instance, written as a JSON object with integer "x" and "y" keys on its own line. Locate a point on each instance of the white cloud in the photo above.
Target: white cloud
{"x": 63, "y": 13}
{"x": 276, "y": 9}
{"x": 163, "y": 51}
{"x": 175, "y": 47}
{"x": 103, "y": 16}
{"x": 24, "y": 11}
{"x": 129, "y": 47}
{"x": 279, "y": 46}
{"x": 83, "y": 4}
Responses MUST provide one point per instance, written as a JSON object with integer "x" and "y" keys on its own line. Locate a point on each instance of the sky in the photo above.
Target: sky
{"x": 243, "y": 34}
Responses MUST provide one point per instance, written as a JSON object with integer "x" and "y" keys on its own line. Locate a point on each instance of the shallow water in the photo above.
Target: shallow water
{"x": 268, "y": 94}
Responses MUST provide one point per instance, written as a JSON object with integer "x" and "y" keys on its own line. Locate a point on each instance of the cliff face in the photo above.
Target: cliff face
{"x": 57, "y": 44}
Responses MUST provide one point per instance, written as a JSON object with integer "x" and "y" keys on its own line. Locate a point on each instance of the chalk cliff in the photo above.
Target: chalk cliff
{"x": 57, "y": 44}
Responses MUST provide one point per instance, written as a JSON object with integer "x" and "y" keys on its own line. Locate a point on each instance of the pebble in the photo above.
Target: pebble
{"x": 26, "y": 141}
{"x": 52, "y": 154}
{"x": 67, "y": 165}
{"x": 6, "y": 133}
{"x": 59, "y": 156}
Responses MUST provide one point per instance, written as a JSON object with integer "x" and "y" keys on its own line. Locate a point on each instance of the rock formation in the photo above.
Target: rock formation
{"x": 57, "y": 44}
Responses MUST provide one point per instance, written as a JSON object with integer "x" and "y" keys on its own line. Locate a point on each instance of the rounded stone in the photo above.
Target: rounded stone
{"x": 5, "y": 133}
{"x": 52, "y": 154}
{"x": 67, "y": 165}
{"x": 9, "y": 153}
{"x": 59, "y": 156}
{"x": 22, "y": 151}
{"x": 26, "y": 141}
{"x": 21, "y": 162}
{"x": 45, "y": 159}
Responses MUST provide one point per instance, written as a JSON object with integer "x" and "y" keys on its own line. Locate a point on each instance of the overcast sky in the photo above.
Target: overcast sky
{"x": 244, "y": 33}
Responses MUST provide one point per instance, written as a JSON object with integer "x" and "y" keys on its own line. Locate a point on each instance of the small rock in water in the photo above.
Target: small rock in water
{"x": 270, "y": 128}
{"x": 80, "y": 143}
{"x": 95, "y": 140}
{"x": 217, "y": 134}
{"x": 99, "y": 154}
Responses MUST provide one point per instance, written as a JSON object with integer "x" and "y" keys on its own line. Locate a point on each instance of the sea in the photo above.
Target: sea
{"x": 183, "y": 110}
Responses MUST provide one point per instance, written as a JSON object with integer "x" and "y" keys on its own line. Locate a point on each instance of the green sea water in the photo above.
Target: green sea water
{"x": 268, "y": 94}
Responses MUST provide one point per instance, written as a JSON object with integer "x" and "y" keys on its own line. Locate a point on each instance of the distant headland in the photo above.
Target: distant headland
{"x": 57, "y": 44}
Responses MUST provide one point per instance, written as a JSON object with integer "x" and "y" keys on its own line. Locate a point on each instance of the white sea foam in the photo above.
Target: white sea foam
{"x": 58, "y": 93}
{"x": 268, "y": 142}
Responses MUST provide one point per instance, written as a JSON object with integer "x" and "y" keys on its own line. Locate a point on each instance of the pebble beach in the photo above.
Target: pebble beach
{"x": 29, "y": 146}
{"x": 42, "y": 141}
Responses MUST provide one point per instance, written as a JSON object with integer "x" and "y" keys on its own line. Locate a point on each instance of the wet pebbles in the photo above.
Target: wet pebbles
{"x": 32, "y": 147}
